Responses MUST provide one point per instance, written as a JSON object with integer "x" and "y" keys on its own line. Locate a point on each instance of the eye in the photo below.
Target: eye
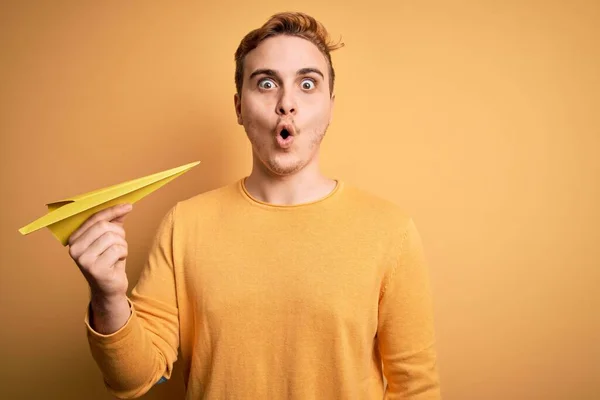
{"x": 308, "y": 84}
{"x": 266, "y": 84}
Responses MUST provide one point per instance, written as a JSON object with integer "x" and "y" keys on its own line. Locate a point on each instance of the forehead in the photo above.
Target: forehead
{"x": 286, "y": 54}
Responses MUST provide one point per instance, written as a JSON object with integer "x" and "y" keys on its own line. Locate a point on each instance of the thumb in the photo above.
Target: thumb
{"x": 120, "y": 219}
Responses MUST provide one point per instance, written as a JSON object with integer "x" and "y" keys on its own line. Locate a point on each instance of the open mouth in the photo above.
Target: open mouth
{"x": 285, "y": 136}
{"x": 284, "y": 133}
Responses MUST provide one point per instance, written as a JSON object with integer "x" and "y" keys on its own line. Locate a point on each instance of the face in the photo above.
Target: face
{"x": 285, "y": 105}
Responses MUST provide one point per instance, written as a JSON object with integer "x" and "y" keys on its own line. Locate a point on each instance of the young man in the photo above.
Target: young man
{"x": 283, "y": 285}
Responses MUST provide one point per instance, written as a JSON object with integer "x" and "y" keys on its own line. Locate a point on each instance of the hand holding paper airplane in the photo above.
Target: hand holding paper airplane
{"x": 65, "y": 216}
{"x": 100, "y": 250}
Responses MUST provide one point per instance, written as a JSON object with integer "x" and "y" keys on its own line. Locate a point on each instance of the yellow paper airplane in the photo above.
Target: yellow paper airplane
{"x": 65, "y": 216}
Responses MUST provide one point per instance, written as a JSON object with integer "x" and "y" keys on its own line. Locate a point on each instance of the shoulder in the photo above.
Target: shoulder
{"x": 368, "y": 205}
{"x": 383, "y": 220}
{"x": 389, "y": 221}
{"x": 205, "y": 203}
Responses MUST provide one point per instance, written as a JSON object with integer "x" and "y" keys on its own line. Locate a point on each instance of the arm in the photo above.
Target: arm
{"x": 405, "y": 329}
{"x": 137, "y": 355}
{"x": 108, "y": 314}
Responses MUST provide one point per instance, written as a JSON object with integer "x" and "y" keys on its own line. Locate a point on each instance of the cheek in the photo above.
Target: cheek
{"x": 255, "y": 121}
{"x": 318, "y": 104}
{"x": 256, "y": 118}
{"x": 319, "y": 115}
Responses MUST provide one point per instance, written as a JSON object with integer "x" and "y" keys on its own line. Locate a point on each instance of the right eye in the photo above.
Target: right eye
{"x": 266, "y": 84}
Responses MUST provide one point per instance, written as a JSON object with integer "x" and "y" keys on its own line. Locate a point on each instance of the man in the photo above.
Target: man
{"x": 283, "y": 285}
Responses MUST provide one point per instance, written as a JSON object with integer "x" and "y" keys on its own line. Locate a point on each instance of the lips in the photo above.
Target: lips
{"x": 285, "y": 135}
{"x": 285, "y": 130}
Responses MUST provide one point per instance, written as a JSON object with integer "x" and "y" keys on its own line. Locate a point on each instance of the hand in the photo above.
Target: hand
{"x": 99, "y": 249}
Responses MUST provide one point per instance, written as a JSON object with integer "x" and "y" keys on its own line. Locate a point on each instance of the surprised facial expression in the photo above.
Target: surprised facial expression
{"x": 285, "y": 104}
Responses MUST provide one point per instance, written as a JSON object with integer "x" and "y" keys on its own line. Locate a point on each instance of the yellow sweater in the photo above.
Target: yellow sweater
{"x": 271, "y": 302}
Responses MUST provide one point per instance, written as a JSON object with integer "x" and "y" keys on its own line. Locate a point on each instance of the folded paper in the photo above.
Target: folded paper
{"x": 65, "y": 216}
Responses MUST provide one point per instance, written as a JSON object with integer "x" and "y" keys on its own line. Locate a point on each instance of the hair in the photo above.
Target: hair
{"x": 291, "y": 24}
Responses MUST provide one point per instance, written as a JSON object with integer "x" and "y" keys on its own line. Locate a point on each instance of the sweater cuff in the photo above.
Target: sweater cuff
{"x": 110, "y": 338}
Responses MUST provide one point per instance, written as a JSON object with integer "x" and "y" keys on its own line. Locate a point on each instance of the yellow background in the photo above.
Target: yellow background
{"x": 480, "y": 118}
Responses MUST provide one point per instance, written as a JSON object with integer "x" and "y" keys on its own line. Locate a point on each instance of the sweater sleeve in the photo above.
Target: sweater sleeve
{"x": 143, "y": 351}
{"x": 405, "y": 328}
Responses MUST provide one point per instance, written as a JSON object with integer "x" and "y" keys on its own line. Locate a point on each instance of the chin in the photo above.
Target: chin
{"x": 283, "y": 167}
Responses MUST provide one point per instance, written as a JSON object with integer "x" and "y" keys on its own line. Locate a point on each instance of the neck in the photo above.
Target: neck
{"x": 304, "y": 186}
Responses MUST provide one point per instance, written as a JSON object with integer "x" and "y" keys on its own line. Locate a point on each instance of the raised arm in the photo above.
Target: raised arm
{"x": 134, "y": 340}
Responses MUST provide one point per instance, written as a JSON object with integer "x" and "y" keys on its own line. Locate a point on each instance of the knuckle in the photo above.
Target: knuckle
{"x": 85, "y": 261}
{"x": 73, "y": 251}
{"x": 115, "y": 253}
{"x": 93, "y": 219}
{"x": 103, "y": 225}
{"x": 114, "y": 249}
{"x": 112, "y": 237}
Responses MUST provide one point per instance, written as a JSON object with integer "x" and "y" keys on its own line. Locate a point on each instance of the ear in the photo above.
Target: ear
{"x": 332, "y": 104}
{"x": 237, "y": 101}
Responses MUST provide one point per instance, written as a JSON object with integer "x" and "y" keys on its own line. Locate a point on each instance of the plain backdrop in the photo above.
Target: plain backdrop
{"x": 480, "y": 118}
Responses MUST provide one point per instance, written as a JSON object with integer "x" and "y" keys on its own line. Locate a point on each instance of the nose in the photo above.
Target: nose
{"x": 286, "y": 104}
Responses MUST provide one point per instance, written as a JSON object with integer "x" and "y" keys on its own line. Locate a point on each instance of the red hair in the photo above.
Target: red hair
{"x": 292, "y": 24}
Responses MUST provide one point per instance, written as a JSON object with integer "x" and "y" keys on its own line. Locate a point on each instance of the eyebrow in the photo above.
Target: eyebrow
{"x": 305, "y": 71}
{"x": 263, "y": 71}
{"x": 274, "y": 74}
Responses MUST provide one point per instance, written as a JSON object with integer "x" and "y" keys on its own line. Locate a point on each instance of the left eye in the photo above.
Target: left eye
{"x": 308, "y": 84}
{"x": 266, "y": 84}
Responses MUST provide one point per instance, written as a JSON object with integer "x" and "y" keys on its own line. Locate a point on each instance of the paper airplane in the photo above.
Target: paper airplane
{"x": 65, "y": 216}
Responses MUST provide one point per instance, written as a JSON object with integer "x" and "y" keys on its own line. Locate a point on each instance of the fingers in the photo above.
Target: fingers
{"x": 112, "y": 255}
{"x": 95, "y": 240}
{"x": 119, "y": 220}
{"x": 106, "y": 241}
{"x": 115, "y": 212}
